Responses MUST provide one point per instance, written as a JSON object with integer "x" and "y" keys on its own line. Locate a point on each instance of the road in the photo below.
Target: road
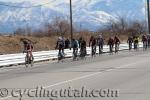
{"x": 127, "y": 74}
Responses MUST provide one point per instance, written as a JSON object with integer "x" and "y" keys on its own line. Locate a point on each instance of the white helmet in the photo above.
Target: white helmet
{"x": 100, "y": 36}
{"x": 60, "y": 38}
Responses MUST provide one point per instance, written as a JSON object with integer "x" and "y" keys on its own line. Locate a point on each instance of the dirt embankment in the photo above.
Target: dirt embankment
{"x": 12, "y": 44}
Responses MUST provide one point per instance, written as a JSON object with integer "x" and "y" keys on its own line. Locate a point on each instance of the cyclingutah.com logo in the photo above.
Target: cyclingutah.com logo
{"x": 54, "y": 94}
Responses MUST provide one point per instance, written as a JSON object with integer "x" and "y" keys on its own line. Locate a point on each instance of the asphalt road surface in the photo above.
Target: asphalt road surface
{"x": 122, "y": 76}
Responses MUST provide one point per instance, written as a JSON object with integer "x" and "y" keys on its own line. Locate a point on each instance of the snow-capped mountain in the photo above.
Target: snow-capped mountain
{"x": 90, "y": 13}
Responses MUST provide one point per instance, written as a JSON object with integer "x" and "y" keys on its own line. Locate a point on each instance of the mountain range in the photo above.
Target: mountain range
{"x": 90, "y": 14}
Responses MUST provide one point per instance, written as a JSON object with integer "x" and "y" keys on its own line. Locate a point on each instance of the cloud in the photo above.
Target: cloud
{"x": 31, "y": 1}
{"x": 82, "y": 9}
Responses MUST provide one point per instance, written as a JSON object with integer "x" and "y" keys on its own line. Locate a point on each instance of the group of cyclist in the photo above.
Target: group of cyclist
{"x": 79, "y": 45}
{"x": 74, "y": 44}
{"x": 133, "y": 42}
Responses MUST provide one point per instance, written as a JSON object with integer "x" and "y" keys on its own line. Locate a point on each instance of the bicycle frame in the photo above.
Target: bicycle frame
{"x": 94, "y": 50}
{"x": 28, "y": 58}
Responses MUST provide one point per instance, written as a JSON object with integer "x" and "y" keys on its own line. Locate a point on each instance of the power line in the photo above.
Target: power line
{"x": 34, "y": 6}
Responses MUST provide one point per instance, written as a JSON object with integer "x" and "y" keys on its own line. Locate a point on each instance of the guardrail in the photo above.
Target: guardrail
{"x": 13, "y": 59}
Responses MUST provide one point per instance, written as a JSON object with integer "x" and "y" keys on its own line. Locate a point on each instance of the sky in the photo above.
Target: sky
{"x": 95, "y": 11}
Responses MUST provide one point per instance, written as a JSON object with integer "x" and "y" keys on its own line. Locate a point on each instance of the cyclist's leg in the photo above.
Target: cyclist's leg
{"x": 146, "y": 44}
{"x": 31, "y": 56}
{"x": 143, "y": 45}
{"x": 74, "y": 53}
{"x": 115, "y": 48}
{"x": 81, "y": 52}
{"x": 136, "y": 46}
{"x": 94, "y": 49}
{"x": 129, "y": 46}
{"x": 110, "y": 48}
{"x": 84, "y": 52}
{"x": 99, "y": 49}
{"x": 102, "y": 46}
{"x": 59, "y": 54}
{"x": 26, "y": 58}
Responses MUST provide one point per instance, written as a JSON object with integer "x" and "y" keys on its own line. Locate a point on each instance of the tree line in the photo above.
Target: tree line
{"x": 61, "y": 27}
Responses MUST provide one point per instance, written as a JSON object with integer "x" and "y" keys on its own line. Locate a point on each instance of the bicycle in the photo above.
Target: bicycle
{"x": 29, "y": 60}
{"x": 130, "y": 46}
{"x": 145, "y": 46}
{"x": 93, "y": 51}
{"x": 111, "y": 49}
{"x": 136, "y": 47}
{"x": 75, "y": 54}
{"x": 116, "y": 48}
{"x": 83, "y": 53}
{"x": 100, "y": 49}
{"x": 60, "y": 56}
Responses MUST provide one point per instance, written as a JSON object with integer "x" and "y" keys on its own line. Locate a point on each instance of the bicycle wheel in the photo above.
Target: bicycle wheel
{"x": 75, "y": 54}
{"x": 130, "y": 46}
{"x": 60, "y": 56}
{"x": 32, "y": 63}
{"x": 116, "y": 48}
{"x": 26, "y": 61}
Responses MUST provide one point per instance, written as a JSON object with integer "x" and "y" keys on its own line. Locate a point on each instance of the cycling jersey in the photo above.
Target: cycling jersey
{"x": 116, "y": 40}
{"x": 75, "y": 44}
{"x": 144, "y": 38}
{"x": 130, "y": 40}
{"x": 83, "y": 44}
{"x": 92, "y": 41}
{"x": 60, "y": 44}
{"x": 100, "y": 41}
{"x": 29, "y": 47}
{"x": 110, "y": 41}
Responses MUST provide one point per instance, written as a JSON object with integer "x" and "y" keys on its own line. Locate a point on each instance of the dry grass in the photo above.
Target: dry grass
{"x": 12, "y": 44}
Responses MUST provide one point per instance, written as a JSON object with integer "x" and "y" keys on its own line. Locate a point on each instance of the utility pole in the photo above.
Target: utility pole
{"x": 71, "y": 29}
{"x": 148, "y": 12}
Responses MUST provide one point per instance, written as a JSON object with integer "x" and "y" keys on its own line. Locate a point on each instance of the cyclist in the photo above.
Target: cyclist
{"x": 100, "y": 42}
{"x": 82, "y": 48}
{"x": 130, "y": 42}
{"x": 148, "y": 37}
{"x": 117, "y": 43}
{"x": 136, "y": 42}
{"x": 79, "y": 40}
{"x": 75, "y": 46}
{"x": 145, "y": 42}
{"x": 60, "y": 46}
{"x": 25, "y": 43}
{"x": 111, "y": 44}
{"x": 67, "y": 44}
{"x": 92, "y": 44}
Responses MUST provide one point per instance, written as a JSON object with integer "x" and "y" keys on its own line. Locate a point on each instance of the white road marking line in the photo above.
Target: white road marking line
{"x": 83, "y": 77}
